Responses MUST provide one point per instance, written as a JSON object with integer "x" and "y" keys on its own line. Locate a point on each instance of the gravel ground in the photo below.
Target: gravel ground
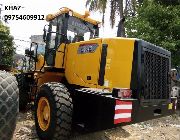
{"x": 166, "y": 128}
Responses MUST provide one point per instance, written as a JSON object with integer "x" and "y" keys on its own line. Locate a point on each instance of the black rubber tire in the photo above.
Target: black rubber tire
{"x": 60, "y": 111}
{"x": 9, "y": 105}
{"x": 23, "y": 93}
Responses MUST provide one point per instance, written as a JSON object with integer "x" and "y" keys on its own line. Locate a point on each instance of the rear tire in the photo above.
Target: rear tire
{"x": 8, "y": 105}
{"x": 57, "y": 98}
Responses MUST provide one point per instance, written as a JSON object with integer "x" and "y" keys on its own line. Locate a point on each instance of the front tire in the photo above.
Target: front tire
{"x": 53, "y": 112}
{"x": 9, "y": 105}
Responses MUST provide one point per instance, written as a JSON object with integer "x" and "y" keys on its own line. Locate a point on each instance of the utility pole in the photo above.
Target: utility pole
{"x": 0, "y": 11}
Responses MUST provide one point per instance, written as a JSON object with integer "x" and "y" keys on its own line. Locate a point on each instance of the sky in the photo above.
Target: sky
{"x": 25, "y": 28}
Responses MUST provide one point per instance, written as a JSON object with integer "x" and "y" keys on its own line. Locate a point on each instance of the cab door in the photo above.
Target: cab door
{"x": 55, "y": 37}
{"x": 83, "y": 63}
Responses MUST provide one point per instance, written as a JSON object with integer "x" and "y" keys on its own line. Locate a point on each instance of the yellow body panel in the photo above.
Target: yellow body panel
{"x": 79, "y": 66}
{"x": 42, "y": 78}
{"x": 75, "y": 14}
{"x": 40, "y": 62}
{"x": 118, "y": 63}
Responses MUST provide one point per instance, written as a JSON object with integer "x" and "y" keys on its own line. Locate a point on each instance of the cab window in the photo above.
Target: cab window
{"x": 79, "y": 30}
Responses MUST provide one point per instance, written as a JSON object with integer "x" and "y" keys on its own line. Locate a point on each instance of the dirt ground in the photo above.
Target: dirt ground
{"x": 166, "y": 128}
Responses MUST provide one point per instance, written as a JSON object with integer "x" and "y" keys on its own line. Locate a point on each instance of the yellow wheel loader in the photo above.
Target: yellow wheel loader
{"x": 95, "y": 83}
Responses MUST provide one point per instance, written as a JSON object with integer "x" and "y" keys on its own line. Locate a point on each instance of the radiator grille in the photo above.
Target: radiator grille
{"x": 156, "y": 77}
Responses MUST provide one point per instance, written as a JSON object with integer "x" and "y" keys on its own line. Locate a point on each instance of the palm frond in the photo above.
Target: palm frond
{"x": 97, "y": 5}
{"x": 112, "y": 13}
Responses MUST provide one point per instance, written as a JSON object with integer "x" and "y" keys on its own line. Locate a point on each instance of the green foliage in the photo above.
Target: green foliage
{"x": 168, "y": 2}
{"x": 157, "y": 22}
{"x": 6, "y": 44}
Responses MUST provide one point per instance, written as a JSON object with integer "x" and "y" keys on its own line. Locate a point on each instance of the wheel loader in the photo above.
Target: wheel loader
{"x": 9, "y": 99}
{"x": 95, "y": 83}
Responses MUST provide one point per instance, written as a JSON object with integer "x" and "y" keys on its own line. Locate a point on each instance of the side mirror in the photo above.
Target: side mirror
{"x": 29, "y": 53}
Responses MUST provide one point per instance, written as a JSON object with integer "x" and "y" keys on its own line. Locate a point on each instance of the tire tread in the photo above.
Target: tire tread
{"x": 8, "y": 104}
{"x": 63, "y": 110}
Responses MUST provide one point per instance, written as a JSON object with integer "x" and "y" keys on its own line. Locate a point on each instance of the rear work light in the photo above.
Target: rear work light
{"x": 122, "y": 93}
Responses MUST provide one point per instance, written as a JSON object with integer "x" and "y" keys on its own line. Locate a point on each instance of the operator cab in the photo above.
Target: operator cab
{"x": 66, "y": 27}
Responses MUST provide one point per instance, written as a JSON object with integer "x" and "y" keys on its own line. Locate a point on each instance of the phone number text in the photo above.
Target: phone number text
{"x": 24, "y": 17}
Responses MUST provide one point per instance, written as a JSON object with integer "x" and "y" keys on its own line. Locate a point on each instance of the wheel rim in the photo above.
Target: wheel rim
{"x": 43, "y": 113}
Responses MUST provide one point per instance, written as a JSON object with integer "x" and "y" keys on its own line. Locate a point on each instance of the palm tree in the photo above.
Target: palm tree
{"x": 123, "y": 9}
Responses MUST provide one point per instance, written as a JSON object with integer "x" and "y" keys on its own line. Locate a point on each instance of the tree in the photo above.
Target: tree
{"x": 118, "y": 9}
{"x": 158, "y": 22}
{"x": 6, "y": 44}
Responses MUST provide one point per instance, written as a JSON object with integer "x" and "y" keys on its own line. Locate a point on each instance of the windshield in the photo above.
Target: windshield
{"x": 72, "y": 28}
{"x": 79, "y": 30}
